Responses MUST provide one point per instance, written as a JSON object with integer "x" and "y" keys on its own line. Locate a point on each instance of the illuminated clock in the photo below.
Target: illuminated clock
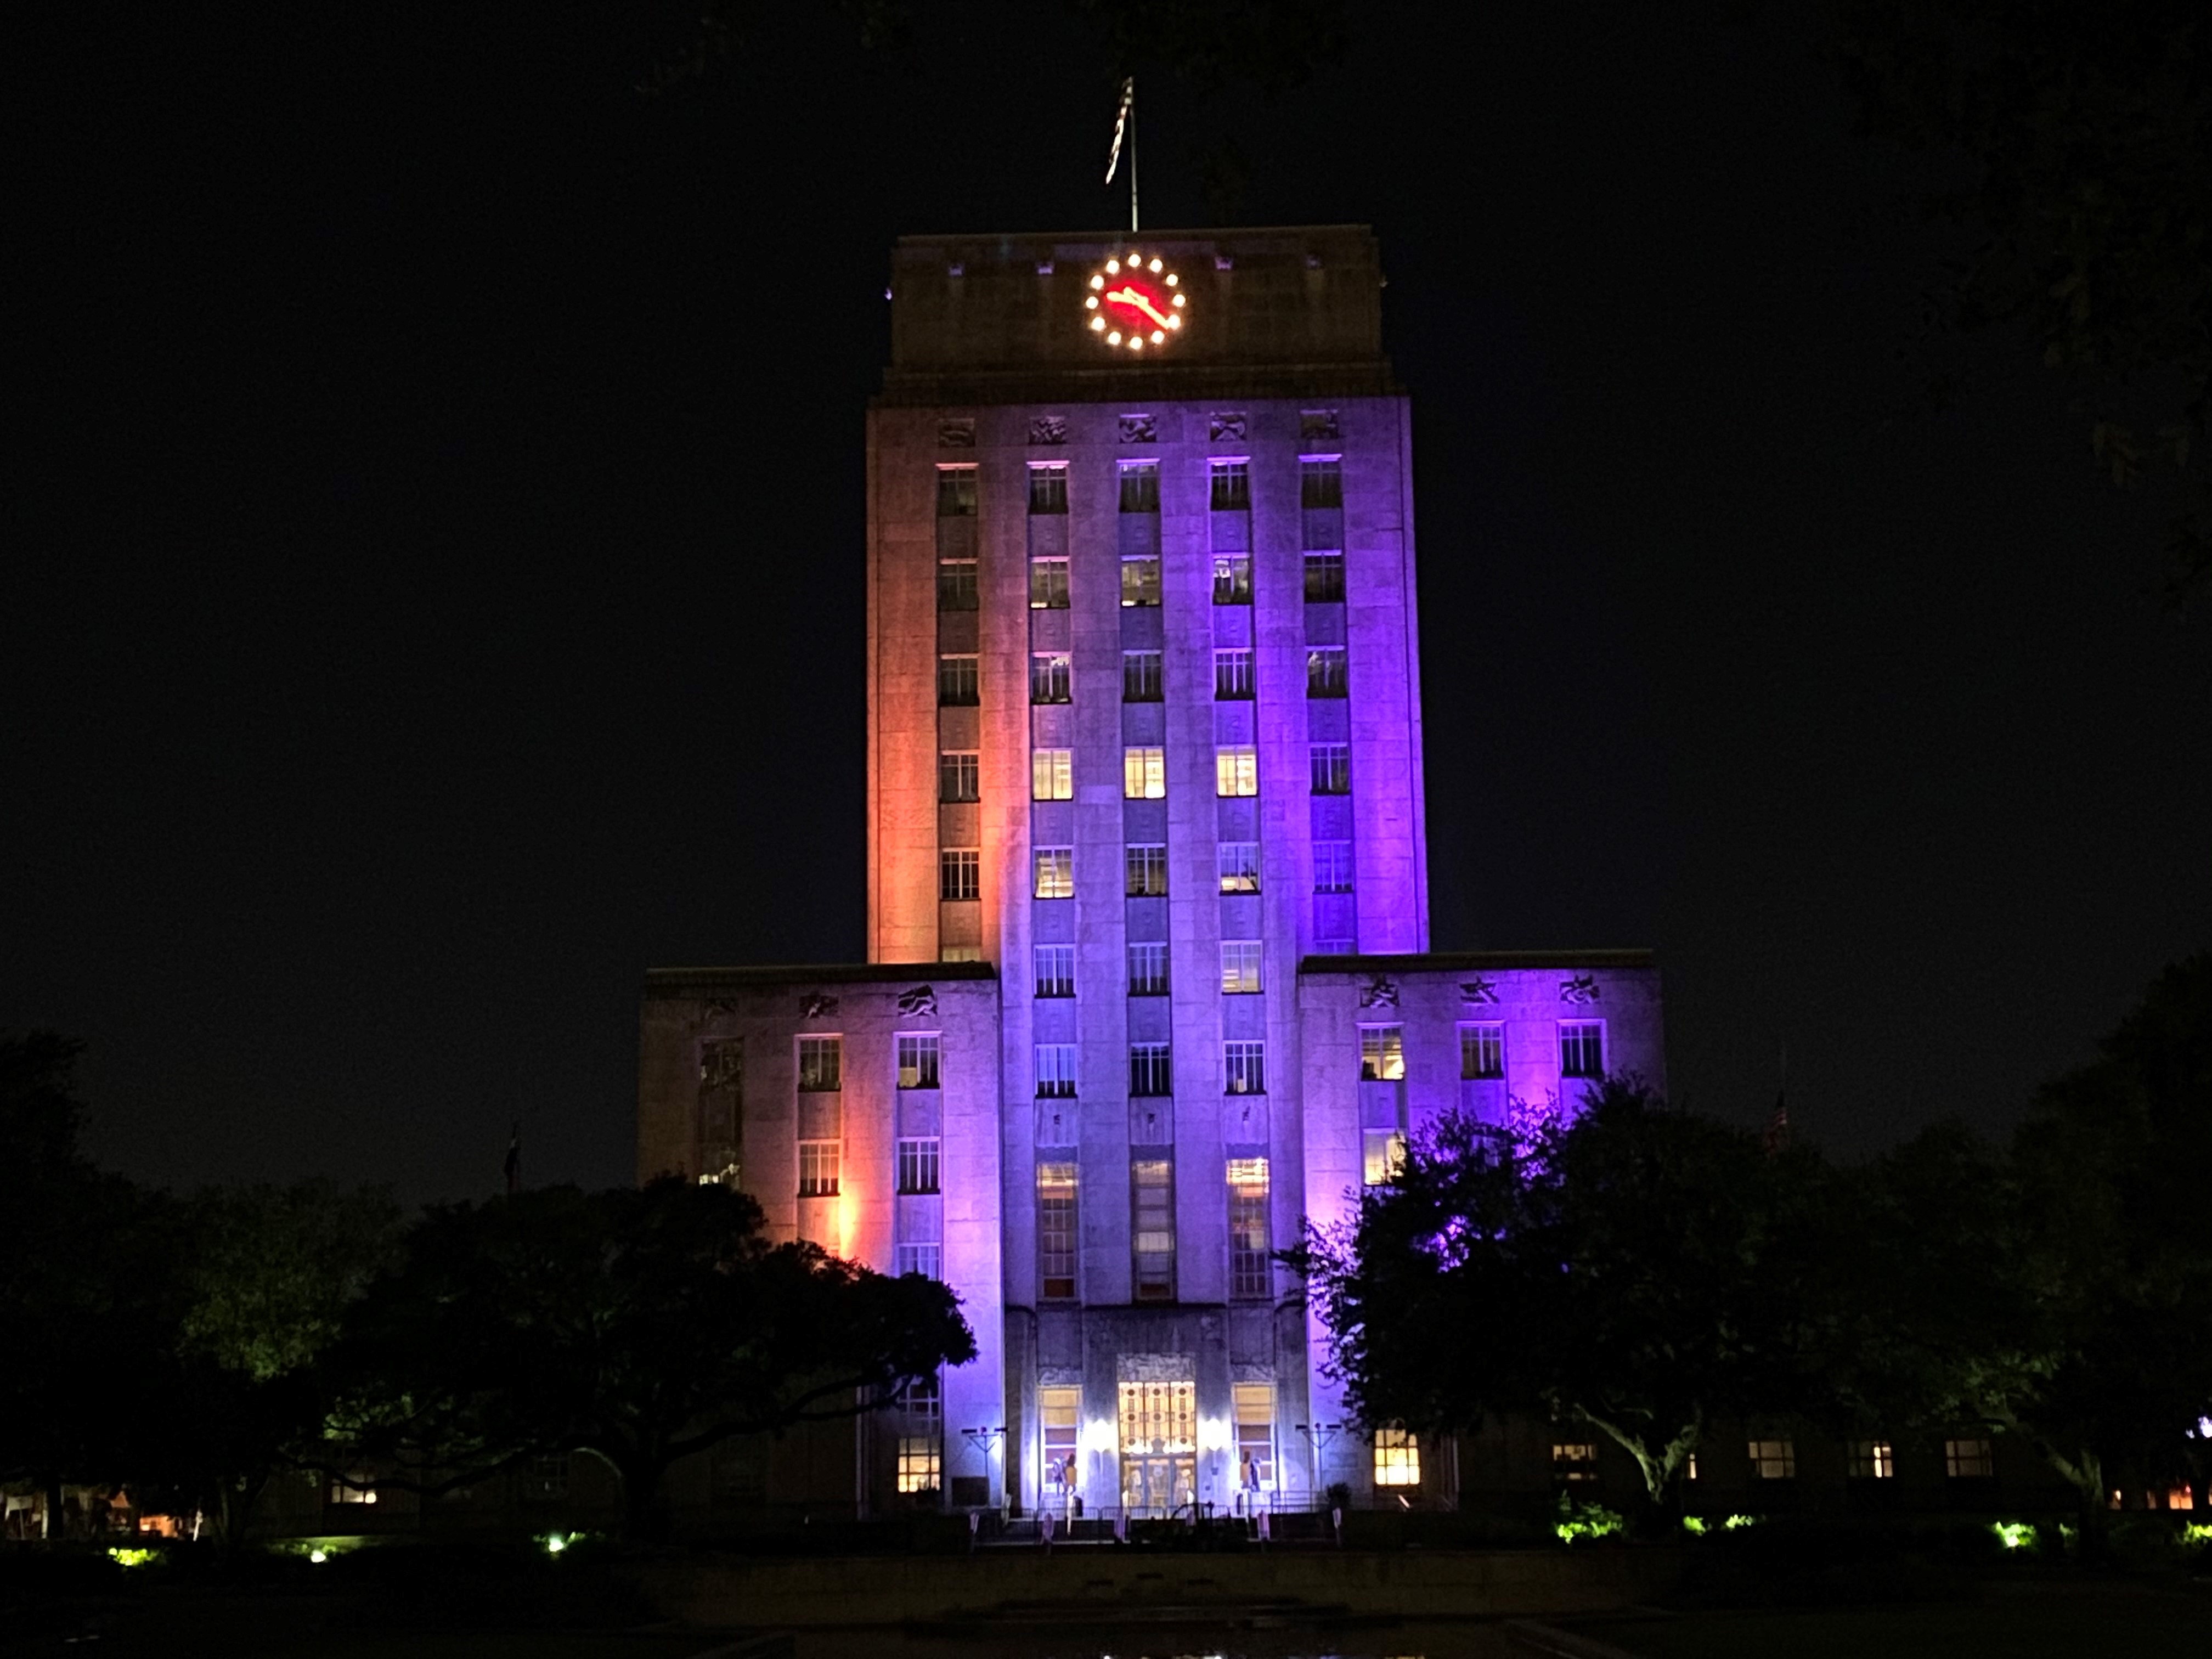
{"x": 1135, "y": 303}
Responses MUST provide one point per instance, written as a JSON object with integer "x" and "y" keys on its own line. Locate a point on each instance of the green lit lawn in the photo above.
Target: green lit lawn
{"x": 2010, "y": 1622}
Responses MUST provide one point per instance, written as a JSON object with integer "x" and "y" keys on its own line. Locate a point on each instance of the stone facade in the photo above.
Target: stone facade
{"x": 1145, "y": 819}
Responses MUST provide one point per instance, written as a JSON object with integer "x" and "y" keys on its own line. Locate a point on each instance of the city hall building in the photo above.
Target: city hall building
{"x": 1149, "y": 985}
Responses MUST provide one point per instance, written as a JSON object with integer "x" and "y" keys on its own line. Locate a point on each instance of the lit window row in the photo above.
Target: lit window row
{"x": 1152, "y": 1072}
{"x": 1482, "y": 1051}
{"x": 958, "y": 588}
{"x": 822, "y": 1062}
{"x": 1237, "y": 861}
{"x": 1144, "y": 773}
{"x": 1229, "y": 486}
{"x": 1152, "y": 1241}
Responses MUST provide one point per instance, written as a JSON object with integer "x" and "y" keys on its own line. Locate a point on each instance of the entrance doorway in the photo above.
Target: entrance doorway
{"x": 1159, "y": 1445}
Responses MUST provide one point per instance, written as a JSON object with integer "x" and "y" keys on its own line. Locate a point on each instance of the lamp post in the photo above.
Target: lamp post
{"x": 983, "y": 1440}
{"x": 1317, "y": 1436}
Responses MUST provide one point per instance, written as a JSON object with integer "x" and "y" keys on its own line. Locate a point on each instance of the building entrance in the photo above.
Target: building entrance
{"x": 1159, "y": 1446}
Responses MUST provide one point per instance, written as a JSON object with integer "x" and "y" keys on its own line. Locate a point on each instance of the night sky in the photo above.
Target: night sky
{"x": 433, "y": 584}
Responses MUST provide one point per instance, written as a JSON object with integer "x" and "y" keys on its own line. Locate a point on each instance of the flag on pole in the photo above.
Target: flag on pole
{"x": 514, "y": 1161}
{"x": 1777, "y": 1138}
{"x": 1120, "y": 126}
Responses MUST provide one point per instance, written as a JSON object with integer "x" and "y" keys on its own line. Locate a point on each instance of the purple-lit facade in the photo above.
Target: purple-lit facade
{"x": 1149, "y": 981}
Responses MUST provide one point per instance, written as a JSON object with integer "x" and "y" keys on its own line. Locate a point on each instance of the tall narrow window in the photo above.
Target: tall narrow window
{"x": 956, "y": 584}
{"x": 1397, "y": 1458}
{"x": 1232, "y": 579}
{"x": 1056, "y": 1231}
{"x": 1150, "y": 1072}
{"x": 919, "y": 1055}
{"x": 957, "y": 685}
{"x": 1056, "y": 970}
{"x": 1140, "y": 676}
{"x": 1582, "y": 1049}
{"x": 917, "y": 1165}
{"x": 959, "y": 776}
{"x": 1324, "y": 576}
{"x": 1482, "y": 1051}
{"x": 1147, "y": 868}
{"x": 1145, "y": 774}
{"x": 1148, "y": 968}
{"x": 1055, "y": 873}
{"x": 1141, "y": 486}
{"x": 1236, "y": 769}
{"x": 1320, "y": 480}
{"x": 817, "y": 1169}
{"x": 1255, "y": 1407}
{"x": 1250, "y": 1272}
{"x": 1047, "y": 584}
{"x": 1049, "y": 488}
{"x": 1055, "y": 1071}
{"x": 1230, "y": 486}
{"x": 1325, "y": 671}
{"x": 1052, "y": 677}
{"x": 1140, "y": 579}
{"x": 1240, "y": 967}
{"x": 955, "y": 492}
{"x": 959, "y": 874}
{"x": 1332, "y": 866}
{"x": 1152, "y": 1228}
{"x": 1332, "y": 768}
{"x": 1244, "y": 1067}
{"x": 1382, "y": 1054}
{"x": 1060, "y": 1413}
{"x": 1232, "y": 674}
{"x": 821, "y": 1064}
{"x": 1240, "y": 865}
{"x": 1052, "y": 775}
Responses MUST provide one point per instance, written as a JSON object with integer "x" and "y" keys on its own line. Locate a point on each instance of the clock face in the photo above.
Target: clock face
{"x": 1135, "y": 303}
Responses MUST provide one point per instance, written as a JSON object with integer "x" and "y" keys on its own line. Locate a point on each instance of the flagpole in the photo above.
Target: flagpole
{"x": 1133, "y": 153}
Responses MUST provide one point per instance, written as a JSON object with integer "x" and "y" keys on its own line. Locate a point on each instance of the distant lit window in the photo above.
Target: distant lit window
{"x": 1056, "y": 1196}
{"x": 1872, "y": 1459}
{"x": 817, "y": 1169}
{"x": 1324, "y": 577}
{"x": 1150, "y": 1072}
{"x": 1230, "y": 486}
{"x": 1052, "y": 775}
{"x": 1055, "y": 1071}
{"x": 1332, "y": 768}
{"x": 1397, "y": 1458}
{"x": 1144, "y": 773}
{"x": 1148, "y": 968}
{"x": 1582, "y": 1049}
{"x": 1244, "y": 1068}
{"x": 1047, "y": 584}
{"x": 1152, "y": 1229}
{"x": 1482, "y": 1051}
{"x": 1140, "y": 676}
{"x": 1574, "y": 1460}
{"x": 1240, "y": 867}
{"x": 1051, "y": 677}
{"x": 1321, "y": 481}
{"x": 917, "y": 1166}
{"x": 1240, "y": 967}
{"x": 1055, "y": 873}
{"x": 1255, "y": 1407}
{"x": 959, "y": 874}
{"x": 1232, "y": 579}
{"x": 1381, "y": 1156}
{"x": 355, "y": 1486}
{"x": 1140, "y": 579}
{"x": 925, "y": 1259}
{"x": 959, "y": 776}
{"x": 1236, "y": 769}
{"x": 1056, "y": 970}
{"x": 1969, "y": 1460}
{"x": 1773, "y": 1460}
{"x": 1232, "y": 674}
{"x": 1332, "y": 866}
{"x": 955, "y": 492}
{"x": 919, "y": 1053}
{"x": 1141, "y": 486}
{"x": 1325, "y": 671}
{"x": 821, "y": 1063}
{"x": 957, "y": 686}
{"x": 1146, "y": 867}
{"x": 1049, "y": 488}
{"x": 1382, "y": 1054}
{"x": 918, "y": 1463}
{"x": 1251, "y": 1271}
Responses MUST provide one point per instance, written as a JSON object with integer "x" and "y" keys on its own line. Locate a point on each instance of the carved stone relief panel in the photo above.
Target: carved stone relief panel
{"x": 1139, "y": 430}
{"x": 1228, "y": 425}
{"x": 1049, "y": 429}
{"x": 957, "y": 433}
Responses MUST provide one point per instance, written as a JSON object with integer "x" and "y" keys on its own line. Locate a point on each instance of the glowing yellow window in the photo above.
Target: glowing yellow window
{"x": 1397, "y": 1458}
